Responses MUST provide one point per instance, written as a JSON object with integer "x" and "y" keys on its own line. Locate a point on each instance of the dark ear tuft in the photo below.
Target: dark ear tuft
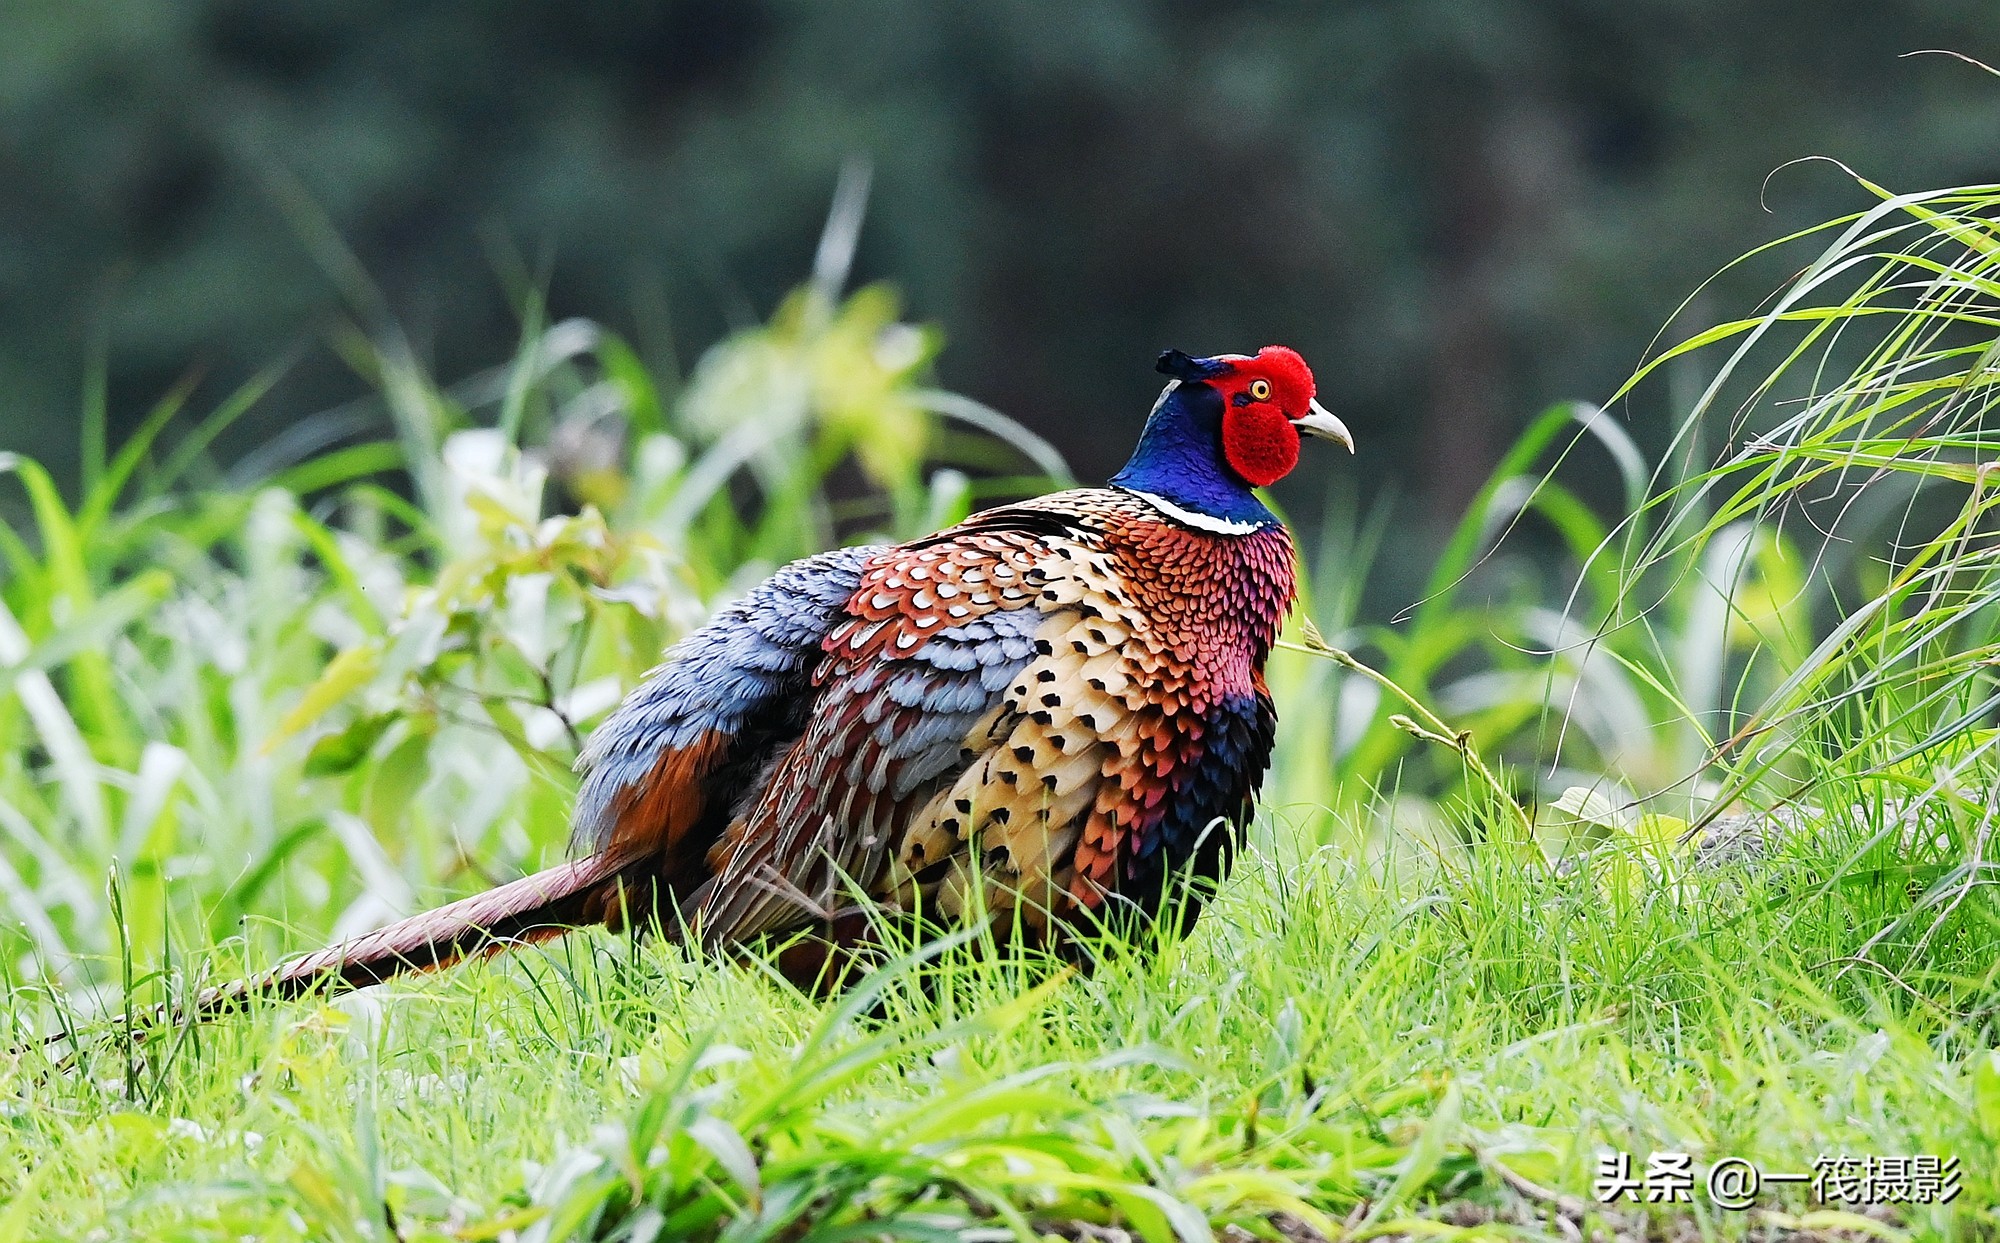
{"x": 1182, "y": 366}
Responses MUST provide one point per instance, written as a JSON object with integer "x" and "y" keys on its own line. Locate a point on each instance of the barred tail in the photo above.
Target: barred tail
{"x": 533, "y": 908}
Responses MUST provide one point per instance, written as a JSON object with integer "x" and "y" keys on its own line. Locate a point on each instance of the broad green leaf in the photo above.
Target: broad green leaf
{"x": 1591, "y": 807}
{"x": 345, "y": 674}
{"x": 340, "y": 751}
{"x": 1658, "y": 832}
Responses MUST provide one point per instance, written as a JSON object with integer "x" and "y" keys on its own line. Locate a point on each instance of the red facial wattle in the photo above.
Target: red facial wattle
{"x": 1260, "y": 443}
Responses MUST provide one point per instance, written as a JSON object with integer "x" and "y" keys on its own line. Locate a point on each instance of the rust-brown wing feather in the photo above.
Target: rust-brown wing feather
{"x": 666, "y": 771}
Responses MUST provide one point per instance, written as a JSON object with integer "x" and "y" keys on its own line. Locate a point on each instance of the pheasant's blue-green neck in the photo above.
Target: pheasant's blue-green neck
{"x": 1179, "y": 460}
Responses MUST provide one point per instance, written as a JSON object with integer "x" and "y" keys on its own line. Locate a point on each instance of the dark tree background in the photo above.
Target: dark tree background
{"x": 1458, "y": 209}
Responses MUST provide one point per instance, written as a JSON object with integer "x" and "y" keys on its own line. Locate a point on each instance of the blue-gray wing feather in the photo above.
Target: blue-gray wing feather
{"x": 746, "y": 676}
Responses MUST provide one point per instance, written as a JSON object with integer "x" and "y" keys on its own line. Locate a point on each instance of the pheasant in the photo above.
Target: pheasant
{"x": 1053, "y": 713}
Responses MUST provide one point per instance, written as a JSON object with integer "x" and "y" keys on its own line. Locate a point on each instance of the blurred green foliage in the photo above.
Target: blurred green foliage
{"x": 1461, "y": 210}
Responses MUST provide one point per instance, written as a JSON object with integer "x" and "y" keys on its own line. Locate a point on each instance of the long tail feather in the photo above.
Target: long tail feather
{"x": 533, "y": 908}
{"x": 604, "y": 888}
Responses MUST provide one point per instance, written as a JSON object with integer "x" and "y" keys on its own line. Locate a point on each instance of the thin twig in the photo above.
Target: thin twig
{"x": 1565, "y": 1206}
{"x": 1426, "y": 724}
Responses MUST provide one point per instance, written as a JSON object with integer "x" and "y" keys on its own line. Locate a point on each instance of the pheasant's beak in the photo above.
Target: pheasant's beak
{"x": 1319, "y": 421}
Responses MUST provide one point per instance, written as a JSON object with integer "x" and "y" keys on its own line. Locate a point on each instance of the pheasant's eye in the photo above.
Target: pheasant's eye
{"x": 1260, "y": 390}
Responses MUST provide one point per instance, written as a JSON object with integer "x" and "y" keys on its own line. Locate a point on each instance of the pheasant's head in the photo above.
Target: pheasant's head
{"x": 1223, "y": 426}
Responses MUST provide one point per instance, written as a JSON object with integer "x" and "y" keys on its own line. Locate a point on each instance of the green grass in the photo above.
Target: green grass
{"x": 243, "y": 711}
{"x": 1338, "y": 1042}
